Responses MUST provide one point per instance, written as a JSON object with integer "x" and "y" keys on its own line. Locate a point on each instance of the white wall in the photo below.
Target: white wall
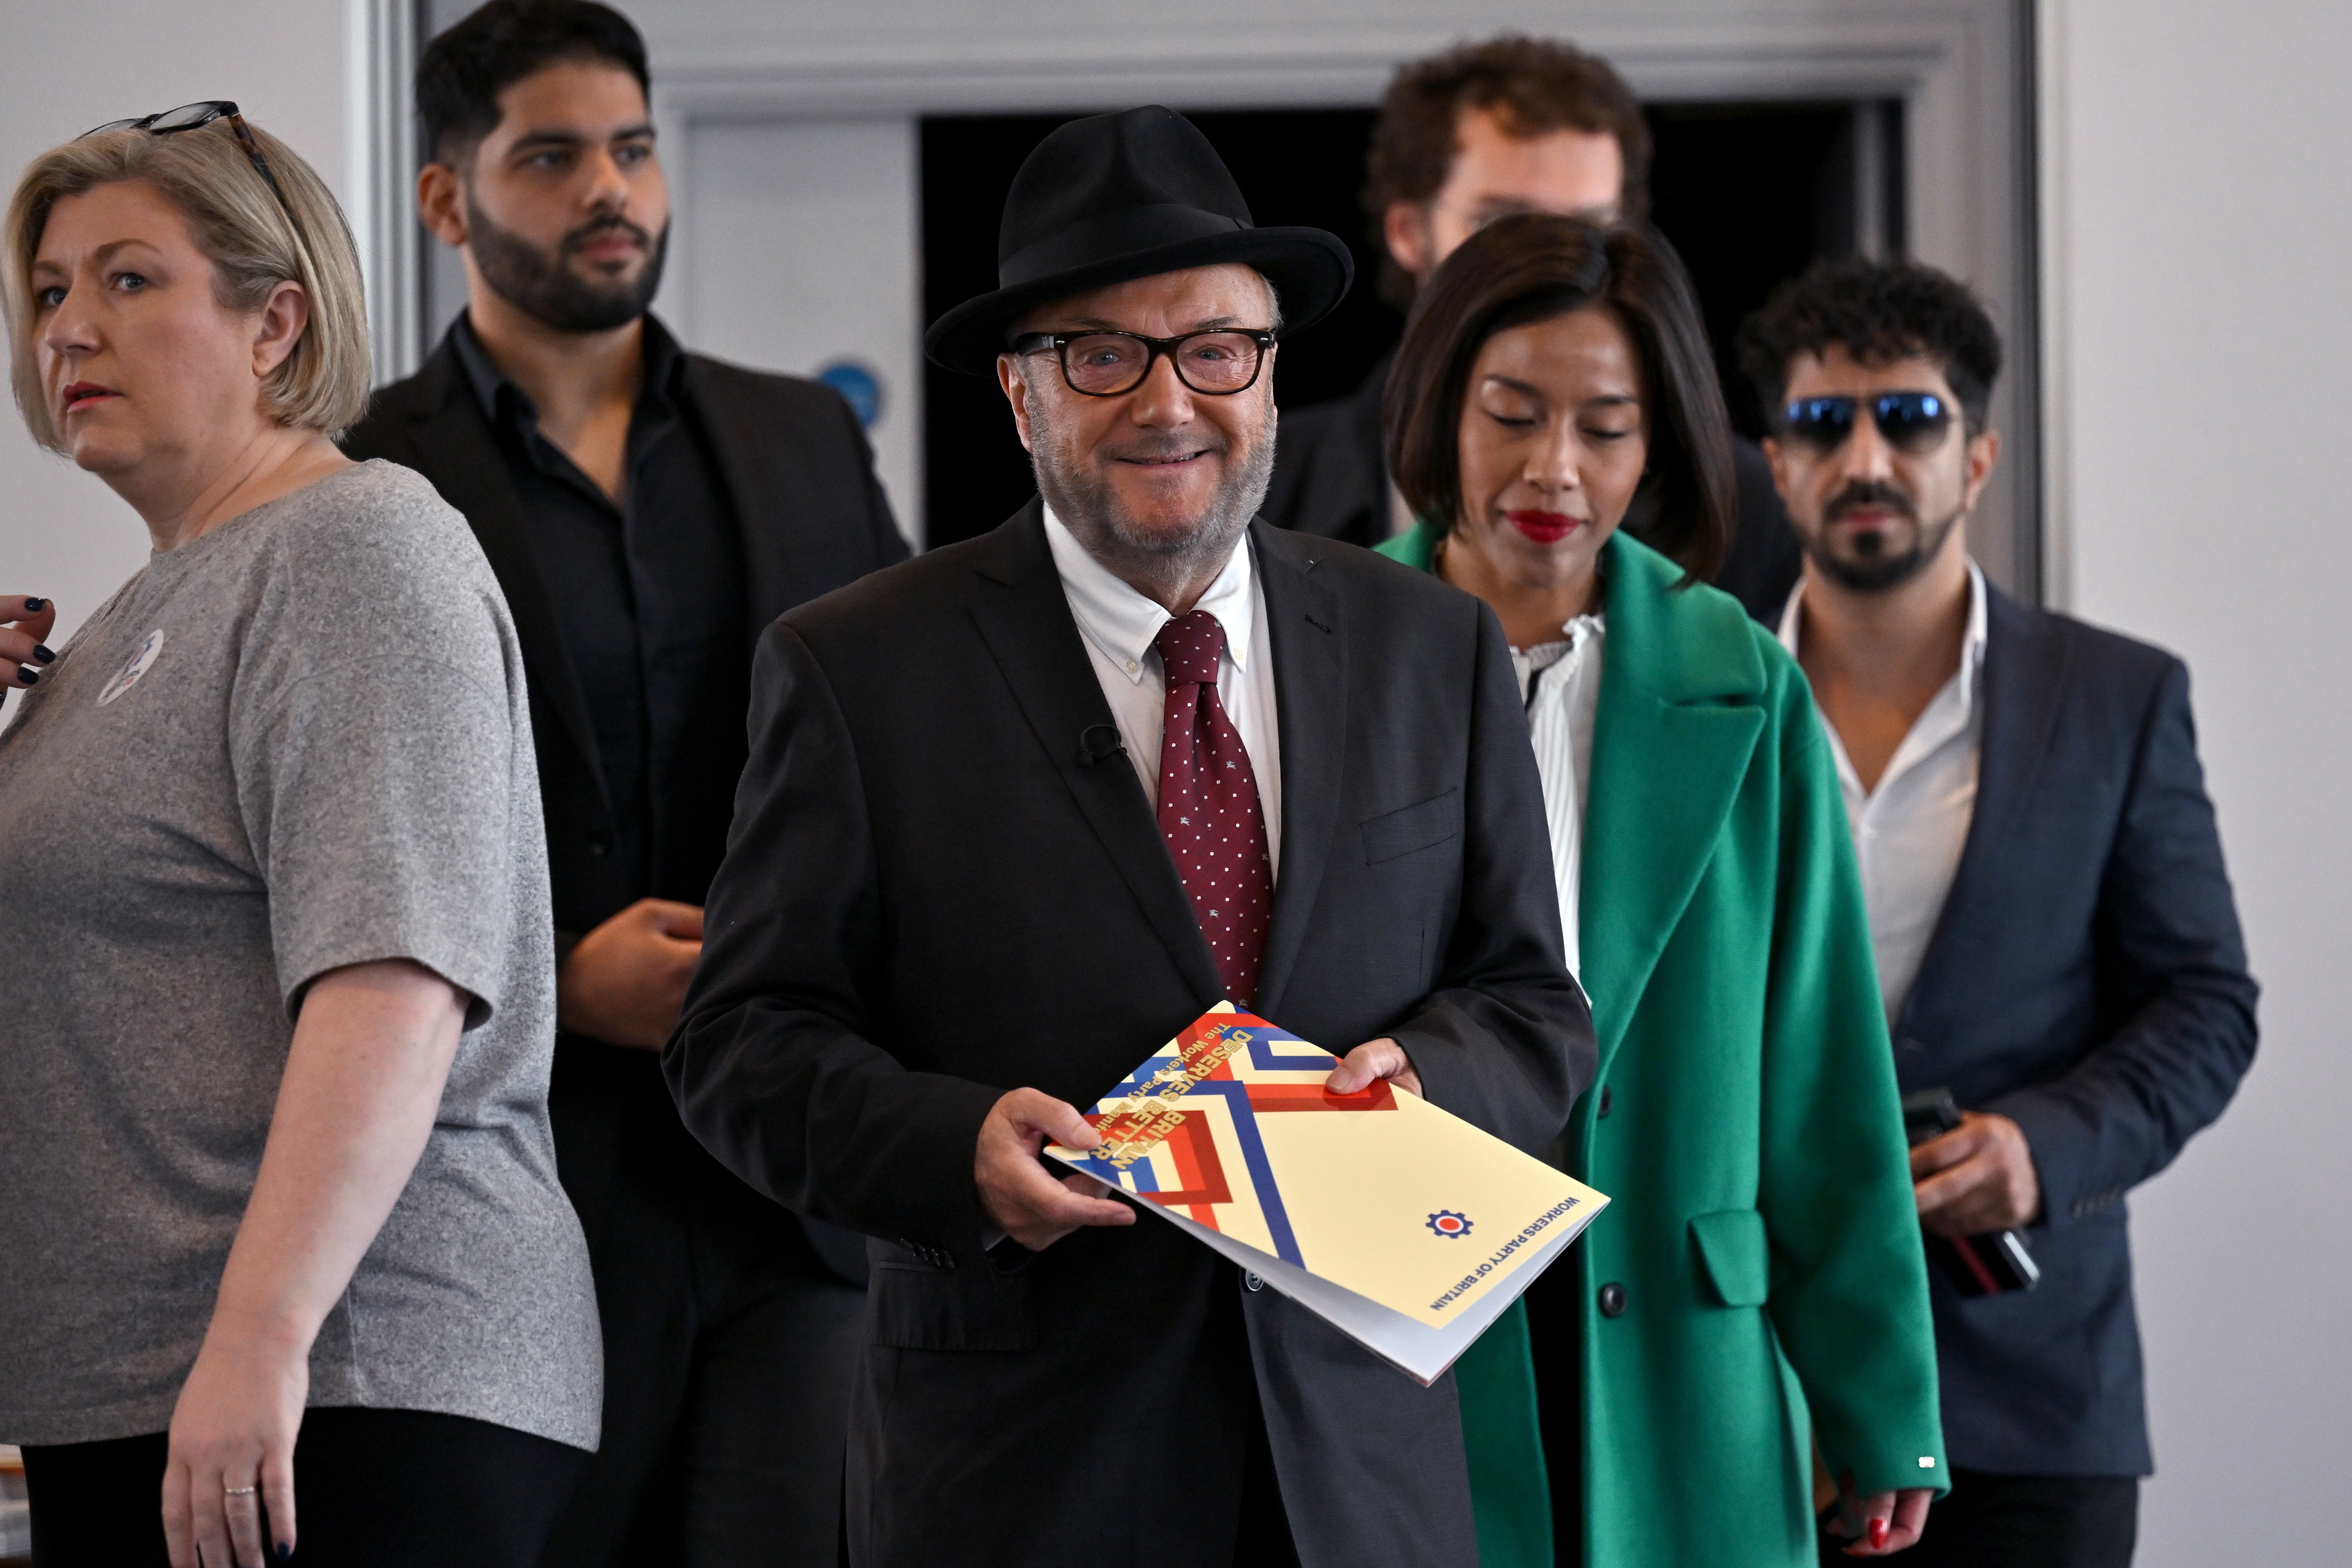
{"x": 2199, "y": 170}
{"x": 2201, "y": 221}
{"x": 62, "y": 533}
{"x": 798, "y": 248}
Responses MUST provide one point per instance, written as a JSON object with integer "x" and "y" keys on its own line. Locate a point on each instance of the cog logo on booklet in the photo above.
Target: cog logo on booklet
{"x": 1447, "y": 1223}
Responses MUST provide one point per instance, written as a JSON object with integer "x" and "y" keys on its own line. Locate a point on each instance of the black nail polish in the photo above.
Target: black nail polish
{"x": 285, "y": 1552}
{"x": 35, "y": 606}
{"x": 41, "y": 652}
{"x": 28, "y": 675}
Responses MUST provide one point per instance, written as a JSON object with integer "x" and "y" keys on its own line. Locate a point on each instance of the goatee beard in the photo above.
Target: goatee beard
{"x": 1090, "y": 508}
{"x": 547, "y": 290}
{"x": 1875, "y": 572}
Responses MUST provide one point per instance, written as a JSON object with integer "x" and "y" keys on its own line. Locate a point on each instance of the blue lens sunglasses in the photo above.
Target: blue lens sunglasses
{"x": 1911, "y": 422}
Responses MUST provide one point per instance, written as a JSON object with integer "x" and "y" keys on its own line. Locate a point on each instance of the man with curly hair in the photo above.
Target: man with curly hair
{"x": 2057, "y": 944}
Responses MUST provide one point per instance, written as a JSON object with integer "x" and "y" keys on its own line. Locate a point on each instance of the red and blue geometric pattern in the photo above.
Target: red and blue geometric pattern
{"x": 1164, "y": 1126}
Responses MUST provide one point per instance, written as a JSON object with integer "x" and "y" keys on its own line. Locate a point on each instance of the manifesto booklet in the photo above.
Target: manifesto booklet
{"x": 1406, "y": 1227}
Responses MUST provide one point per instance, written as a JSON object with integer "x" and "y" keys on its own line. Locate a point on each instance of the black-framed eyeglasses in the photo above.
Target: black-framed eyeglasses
{"x": 1217, "y": 363}
{"x": 195, "y": 117}
{"x": 1912, "y": 422}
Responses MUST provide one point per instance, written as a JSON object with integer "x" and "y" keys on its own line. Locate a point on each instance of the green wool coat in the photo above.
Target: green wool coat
{"x": 1762, "y": 1227}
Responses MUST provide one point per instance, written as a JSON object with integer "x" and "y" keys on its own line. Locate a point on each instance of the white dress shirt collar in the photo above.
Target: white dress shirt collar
{"x": 1972, "y": 642}
{"x": 1122, "y": 622}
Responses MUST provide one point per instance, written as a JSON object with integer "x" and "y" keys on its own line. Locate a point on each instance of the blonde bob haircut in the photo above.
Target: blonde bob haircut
{"x": 254, "y": 242}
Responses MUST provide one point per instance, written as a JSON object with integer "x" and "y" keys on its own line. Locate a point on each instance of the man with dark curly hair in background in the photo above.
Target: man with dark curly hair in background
{"x": 1511, "y": 124}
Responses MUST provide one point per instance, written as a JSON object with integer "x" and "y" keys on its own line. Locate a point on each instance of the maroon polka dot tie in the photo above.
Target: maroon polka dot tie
{"x": 1209, "y": 807}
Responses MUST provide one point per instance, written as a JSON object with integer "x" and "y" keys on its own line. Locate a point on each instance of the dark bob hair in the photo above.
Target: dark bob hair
{"x": 477, "y": 58}
{"x": 1532, "y": 267}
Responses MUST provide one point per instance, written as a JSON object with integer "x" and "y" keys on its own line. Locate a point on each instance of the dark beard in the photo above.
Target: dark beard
{"x": 1089, "y": 508}
{"x": 547, "y": 290}
{"x": 1873, "y": 572}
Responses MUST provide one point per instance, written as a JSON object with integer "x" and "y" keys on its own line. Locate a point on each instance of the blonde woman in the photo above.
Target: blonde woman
{"x": 283, "y": 1241}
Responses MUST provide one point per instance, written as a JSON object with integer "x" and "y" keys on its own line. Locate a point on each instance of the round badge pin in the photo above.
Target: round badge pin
{"x": 137, "y": 664}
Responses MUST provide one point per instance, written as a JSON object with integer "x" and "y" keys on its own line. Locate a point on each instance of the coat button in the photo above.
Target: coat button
{"x": 599, "y": 847}
{"x": 1612, "y": 1299}
{"x": 1607, "y": 1099}
{"x": 1252, "y": 1281}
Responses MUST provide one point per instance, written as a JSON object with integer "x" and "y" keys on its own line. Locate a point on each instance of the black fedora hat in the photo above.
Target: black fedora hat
{"x": 1127, "y": 195}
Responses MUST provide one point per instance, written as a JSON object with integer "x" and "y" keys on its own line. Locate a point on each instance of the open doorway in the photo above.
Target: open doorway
{"x": 1750, "y": 193}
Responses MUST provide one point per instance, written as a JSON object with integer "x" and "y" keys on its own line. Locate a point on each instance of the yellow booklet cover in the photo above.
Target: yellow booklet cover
{"x": 1404, "y": 1225}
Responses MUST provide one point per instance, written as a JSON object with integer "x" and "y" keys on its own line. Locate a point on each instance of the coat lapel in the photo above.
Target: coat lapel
{"x": 1670, "y": 751}
{"x": 1023, "y": 617}
{"x": 1310, "y": 674}
{"x": 464, "y": 464}
{"x": 2022, "y": 676}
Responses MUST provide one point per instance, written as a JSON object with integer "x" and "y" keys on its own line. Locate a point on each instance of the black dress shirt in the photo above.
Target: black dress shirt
{"x": 648, "y": 600}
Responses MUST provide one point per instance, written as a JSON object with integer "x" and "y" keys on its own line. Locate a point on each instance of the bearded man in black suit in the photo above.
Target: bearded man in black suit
{"x": 648, "y": 512}
{"x": 968, "y": 889}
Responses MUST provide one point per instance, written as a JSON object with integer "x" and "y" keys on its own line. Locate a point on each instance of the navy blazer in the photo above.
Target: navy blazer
{"x": 2086, "y": 979}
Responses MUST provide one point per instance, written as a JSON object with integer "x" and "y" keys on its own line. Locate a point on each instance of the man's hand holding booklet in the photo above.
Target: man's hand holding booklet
{"x": 1406, "y": 1227}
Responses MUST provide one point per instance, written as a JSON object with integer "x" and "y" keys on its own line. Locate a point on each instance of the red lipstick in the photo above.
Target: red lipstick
{"x": 1544, "y": 527}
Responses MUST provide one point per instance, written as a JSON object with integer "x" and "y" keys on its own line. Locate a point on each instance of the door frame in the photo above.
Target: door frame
{"x": 1965, "y": 71}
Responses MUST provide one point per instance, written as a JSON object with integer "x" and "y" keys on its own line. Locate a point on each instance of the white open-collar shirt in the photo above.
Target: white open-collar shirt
{"x": 1910, "y": 831}
{"x": 1559, "y": 682}
{"x": 1118, "y": 625}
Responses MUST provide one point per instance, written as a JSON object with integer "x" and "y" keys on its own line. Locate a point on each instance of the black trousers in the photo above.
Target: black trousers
{"x": 372, "y": 1489}
{"x": 729, "y": 1347}
{"x": 2022, "y": 1521}
{"x": 1556, "y": 1341}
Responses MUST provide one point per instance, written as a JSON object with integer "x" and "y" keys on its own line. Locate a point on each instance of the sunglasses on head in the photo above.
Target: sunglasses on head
{"x": 194, "y": 117}
{"x": 1912, "y": 422}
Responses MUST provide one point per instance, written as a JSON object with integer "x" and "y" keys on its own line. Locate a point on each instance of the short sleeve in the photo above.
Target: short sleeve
{"x": 378, "y": 804}
{"x": 376, "y": 756}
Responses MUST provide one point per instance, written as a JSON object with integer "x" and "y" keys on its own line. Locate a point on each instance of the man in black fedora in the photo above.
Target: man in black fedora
{"x": 972, "y": 882}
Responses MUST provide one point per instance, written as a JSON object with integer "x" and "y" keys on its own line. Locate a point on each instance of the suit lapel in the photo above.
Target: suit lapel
{"x": 752, "y": 464}
{"x": 464, "y": 464}
{"x": 1669, "y": 755}
{"x": 1310, "y": 673}
{"x": 1023, "y": 617}
{"x": 2022, "y": 676}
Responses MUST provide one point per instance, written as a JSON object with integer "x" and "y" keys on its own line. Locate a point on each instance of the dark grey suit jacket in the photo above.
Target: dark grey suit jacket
{"x": 2086, "y": 979}
{"x": 935, "y": 894}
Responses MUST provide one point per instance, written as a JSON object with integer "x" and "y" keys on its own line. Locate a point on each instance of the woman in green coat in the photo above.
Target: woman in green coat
{"x": 1756, "y": 1292}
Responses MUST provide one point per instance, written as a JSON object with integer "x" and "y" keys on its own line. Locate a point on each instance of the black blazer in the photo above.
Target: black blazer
{"x": 934, "y": 894}
{"x": 2087, "y": 980}
{"x": 1330, "y": 479}
{"x": 796, "y": 470}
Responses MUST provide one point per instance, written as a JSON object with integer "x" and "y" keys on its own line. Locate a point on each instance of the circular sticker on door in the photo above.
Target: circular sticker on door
{"x": 136, "y": 666}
